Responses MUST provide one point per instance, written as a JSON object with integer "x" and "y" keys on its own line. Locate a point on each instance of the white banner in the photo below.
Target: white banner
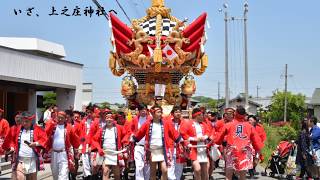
{"x": 159, "y": 89}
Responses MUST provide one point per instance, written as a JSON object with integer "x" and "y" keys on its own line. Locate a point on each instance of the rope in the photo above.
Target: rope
{"x": 158, "y": 52}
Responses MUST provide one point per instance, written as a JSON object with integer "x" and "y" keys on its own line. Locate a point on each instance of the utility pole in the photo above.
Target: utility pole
{"x": 218, "y": 95}
{"x": 225, "y": 7}
{"x": 246, "y": 54}
{"x": 258, "y": 91}
{"x": 285, "y": 94}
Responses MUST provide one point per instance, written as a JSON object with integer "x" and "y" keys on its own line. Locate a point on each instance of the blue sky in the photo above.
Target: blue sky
{"x": 279, "y": 32}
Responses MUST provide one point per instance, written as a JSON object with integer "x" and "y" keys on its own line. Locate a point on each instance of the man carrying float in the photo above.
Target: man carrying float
{"x": 197, "y": 133}
{"x": 110, "y": 140}
{"x": 142, "y": 168}
{"x": 4, "y": 130}
{"x": 157, "y": 133}
{"x": 178, "y": 151}
{"x": 85, "y": 141}
{"x": 240, "y": 136}
{"x": 77, "y": 130}
{"x": 13, "y": 129}
{"x": 61, "y": 139}
{"x": 26, "y": 144}
{"x": 254, "y": 121}
{"x": 97, "y": 125}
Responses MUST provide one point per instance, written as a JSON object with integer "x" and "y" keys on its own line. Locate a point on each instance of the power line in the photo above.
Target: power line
{"x": 125, "y": 13}
{"x": 101, "y": 9}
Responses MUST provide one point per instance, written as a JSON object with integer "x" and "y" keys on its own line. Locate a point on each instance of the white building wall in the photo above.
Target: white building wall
{"x": 86, "y": 93}
{"x": 32, "y": 101}
{"x": 317, "y": 112}
{"x": 33, "y": 44}
{"x": 252, "y": 109}
{"x": 17, "y": 66}
{"x": 65, "y": 98}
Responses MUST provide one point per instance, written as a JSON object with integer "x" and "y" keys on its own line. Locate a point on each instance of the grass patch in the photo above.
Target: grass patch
{"x": 274, "y": 136}
{"x": 273, "y": 139}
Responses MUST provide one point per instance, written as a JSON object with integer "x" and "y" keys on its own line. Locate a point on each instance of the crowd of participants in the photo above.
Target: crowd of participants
{"x": 106, "y": 142}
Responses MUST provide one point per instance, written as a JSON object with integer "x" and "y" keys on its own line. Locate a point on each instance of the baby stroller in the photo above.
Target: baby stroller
{"x": 279, "y": 158}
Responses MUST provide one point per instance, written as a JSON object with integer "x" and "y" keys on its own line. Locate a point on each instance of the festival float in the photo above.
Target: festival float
{"x": 157, "y": 55}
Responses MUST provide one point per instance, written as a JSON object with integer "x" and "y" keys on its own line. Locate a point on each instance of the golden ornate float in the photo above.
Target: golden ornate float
{"x": 158, "y": 49}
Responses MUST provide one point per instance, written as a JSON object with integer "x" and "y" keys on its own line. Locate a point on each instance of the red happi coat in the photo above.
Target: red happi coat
{"x": 169, "y": 133}
{"x": 239, "y": 134}
{"x": 211, "y": 128}
{"x": 212, "y": 132}
{"x": 261, "y": 132}
{"x": 122, "y": 140}
{"x": 241, "y": 138}
{"x": 7, "y": 140}
{"x": 94, "y": 129}
{"x": 38, "y": 136}
{"x": 71, "y": 139}
{"x": 4, "y": 131}
{"x": 188, "y": 131}
{"x": 76, "y": 127}
{"x": 180, "y": 152}
{"x": 135, "y": 123}
{"x": 85, "y": 139}
{"x": 131, "y": 128}
{"x": 219, "y": 125}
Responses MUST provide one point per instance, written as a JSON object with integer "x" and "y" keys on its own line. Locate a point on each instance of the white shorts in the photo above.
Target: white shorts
{"x": 156, "y": 154}
{"x": 111, "y": 159}
{"x": 29, "y": 164}
{"x": 202, "y": 155}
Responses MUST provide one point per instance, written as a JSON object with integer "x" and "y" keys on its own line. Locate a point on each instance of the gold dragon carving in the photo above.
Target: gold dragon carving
{"x": 175, "y": 37}
{"x": 113, "y": 65}
{"x": 189, "y": 86}
{"x": 137, "y": 57}
{"x": 128, "y": 87}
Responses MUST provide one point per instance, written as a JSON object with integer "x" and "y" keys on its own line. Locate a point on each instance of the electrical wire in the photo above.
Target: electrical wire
{"x": 101, "y": 9}
{"x": 125, "y": 13}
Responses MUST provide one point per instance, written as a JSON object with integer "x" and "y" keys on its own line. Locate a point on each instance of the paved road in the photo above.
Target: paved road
{"x": 218, "y": 174}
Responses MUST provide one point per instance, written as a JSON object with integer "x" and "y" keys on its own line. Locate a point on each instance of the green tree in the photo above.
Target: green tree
{"x": 212, "y": 104}
{"x": 49, "y": 98}
{"x": 105, "y": 105}
{"x": 120, "y": 105}
{"x": 208, "y": 102}
{"x": 296, "y": 108}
